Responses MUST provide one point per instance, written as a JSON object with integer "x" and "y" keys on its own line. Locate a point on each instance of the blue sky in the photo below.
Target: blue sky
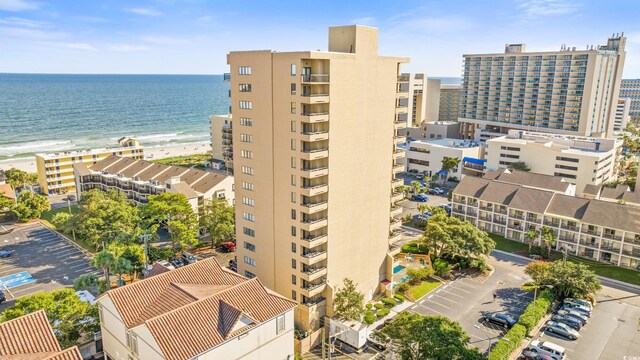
{"x": 193, "y": 36}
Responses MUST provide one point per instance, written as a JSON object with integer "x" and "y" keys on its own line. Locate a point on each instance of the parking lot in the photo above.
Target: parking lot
{"x": 466, "y": 299}
{"x": 40, "y": 261}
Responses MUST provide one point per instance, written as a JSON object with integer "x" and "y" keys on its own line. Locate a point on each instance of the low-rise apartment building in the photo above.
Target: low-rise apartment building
{"x": 426, "y": 155}
{"x": 222, "y": 141}
{"x": 582, "y": 160}
{"x": 140, "y": 178}
{"x": 511, "y": 204}
{"x": 200, "y": 311}
{"x": 55, "y": 170}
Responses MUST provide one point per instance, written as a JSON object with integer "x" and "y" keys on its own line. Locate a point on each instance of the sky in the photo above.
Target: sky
{"x": 194, "y": 36}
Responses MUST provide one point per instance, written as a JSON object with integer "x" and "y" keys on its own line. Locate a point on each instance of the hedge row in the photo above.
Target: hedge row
{"x": 526, "y": 322}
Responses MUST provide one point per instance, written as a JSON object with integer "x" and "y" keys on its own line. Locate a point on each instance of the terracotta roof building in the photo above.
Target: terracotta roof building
{"x": 198, "y": 311}
{"x": 30, "y": 337}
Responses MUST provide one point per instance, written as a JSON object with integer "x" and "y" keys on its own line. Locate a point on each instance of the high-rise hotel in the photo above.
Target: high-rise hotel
{"x": 572, "y": 92}
{"x": 315, "y": 162}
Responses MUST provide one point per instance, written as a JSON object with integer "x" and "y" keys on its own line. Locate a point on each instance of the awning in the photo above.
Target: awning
{"x": 442, "y": 172}
{"x": 473, "y": 160}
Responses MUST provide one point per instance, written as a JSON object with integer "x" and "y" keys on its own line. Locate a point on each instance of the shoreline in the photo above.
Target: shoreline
{"x": 157, "y": 152}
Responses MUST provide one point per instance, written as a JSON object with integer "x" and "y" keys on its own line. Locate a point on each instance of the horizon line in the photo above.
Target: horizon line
{"x": 171, "y": 74}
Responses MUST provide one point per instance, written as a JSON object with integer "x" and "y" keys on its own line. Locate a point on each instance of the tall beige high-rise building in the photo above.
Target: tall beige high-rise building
{"x": 449, "y": 102}
{"x": 314, "y": 156}
{"x": 424, "y": 99}
{"x": 572, "y": 92}
{"x": 222, "y": 140}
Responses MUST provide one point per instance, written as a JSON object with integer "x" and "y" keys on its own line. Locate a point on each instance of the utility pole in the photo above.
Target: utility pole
{"x": 144, "y": 238}
{"x": 323, "y": 345}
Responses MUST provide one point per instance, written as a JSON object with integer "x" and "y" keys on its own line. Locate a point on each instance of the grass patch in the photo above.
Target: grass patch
{"x": 197, "y": 161}
{"x": 48, "y": 215}
{"x": 505, "y": 244}
{"x": 423, "y": 289}
{"x": 416, "y": 224}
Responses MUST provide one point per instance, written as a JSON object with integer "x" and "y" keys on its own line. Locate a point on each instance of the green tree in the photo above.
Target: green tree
{"x": 218, "y": 218}
{"x": 61, "y": 221}
{"x": 570, "y": 280}
{"x": 450, "y": 164}
{"x": 122, "y": 266}
{"x": 415, "y": 185}
{"x": 176, "y": 212}
{"x": 16, "y": 177}
{"x": 69, "y": 317}
{"x": 548, "y": 238}
{"x": 518, "y": 165}
{"x": 86, "y": 282}
{"x": 105, "y": 261}
{"x": 5, "y": 203}
{"x": 530, "y": 237}
{"x": 348, "y": 301}
{"x": 406, "y": 190}
{"x": 30, "y": 206}
{"x": 416, "y": 337}
{"x": 32, "y": 179}
{"x": 423, "y": 209}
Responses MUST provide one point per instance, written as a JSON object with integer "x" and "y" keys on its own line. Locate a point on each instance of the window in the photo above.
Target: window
{"x": 244, "y": 70}
{"x": 249, "y": 274}
{"x": 293, "y": 279}
{"x": 418, "y": 162}
{"x": 249, "y": 246}
{"x": 247, "y": 170}
{"x": 293, "y": 107}
{"x": 561, "y": 158}
{"x": 293, "y": 126}
{"x": 248, "y": 216}
{"x": 280, "y": 324}
{"x": 246, "y": 121}
{"x": 246, "y": 138}
{"x": 132, "y": 342}
{"x": 510, "y": 156}
{"x": 293, "y": 144}
{"x": 293, "y": 180}
{"x": 249, "y": 232}
{"x": 248, "y": 201}
{"x": 293, "y": 197}
{"x": 564, "y": 175}
{"x": 509, "y": 148}
{"x": 565, "y": 167}
{"x": 246, "y": 154}
{"x": 293, "y": 214}
{"x": 293, "y": 231}
{"x": 245, "y": 87}
{"x": 247, "y": 186}
{"x": 293, "y": 294}
{"x": 293, "y": 162}
{"x": 246, "y": 104}
{"x": 293, "y": 247}
{"x": 250, "y": 261}
{"x": 293, "y": 89}
{"x": 293, "y": 263}
{"x": 293, "y": 69}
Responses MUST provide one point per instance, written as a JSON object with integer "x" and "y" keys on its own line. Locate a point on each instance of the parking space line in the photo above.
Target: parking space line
{"x": 462, "y": 283}
{"x": 449, "y": 292}
{"x": 455, "y": 288}
{"x": 437, "y": 303}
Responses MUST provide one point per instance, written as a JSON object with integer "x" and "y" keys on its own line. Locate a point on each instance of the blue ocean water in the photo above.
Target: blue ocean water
{"x": 40, "y": 113}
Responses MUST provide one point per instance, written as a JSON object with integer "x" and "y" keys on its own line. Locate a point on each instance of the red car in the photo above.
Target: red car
{"x": 227, "y": 247}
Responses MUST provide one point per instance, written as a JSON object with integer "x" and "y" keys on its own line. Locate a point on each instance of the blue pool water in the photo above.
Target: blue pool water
{"x": 397, "y": 269}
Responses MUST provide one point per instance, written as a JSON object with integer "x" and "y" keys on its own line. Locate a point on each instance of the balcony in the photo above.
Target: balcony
{"x": 403, "y": 78}
{"x": 395, "y": 183}
{"x": 314, "y": 135}
{"x": 397, "y": 169}
{"x": 314, "y": 301}
{"x": 568, "y": 227}
{"x": 315, "y": 117}
{"x": 500, "y": 221}
{"x": 314, "y": 240}
{"x": 551, "y": 223}
{"x": 312, "y": 289}
{"x": 400, "y": 109}
{"x": 313, "y": 273}
{"x": 634, "y": 253}
{"x": 399, "y": 139}
{"x": 315, "y": 98}
{"x": 314, "y": 154}
{"x": 610, "y": 248}
{"x": 312, "y": 208}
{"x": 315, "y": 78}
{"x": 397, "y": 154}
{"x": 397, "y": 197}
{"x": 471, "y": 211}
{"x": 399, "y": 125}
{"x": 313, "y": 190}
{"x": 313, "y": 224}
{"x": 395, "y": 211}
{"x": 568, "y": 239}
{"x": 595, "y": 232}
{"x": 311, "y": 173}
{"x": 517, "y": 216}
{"x": 611, "y": 236}
{"x": 395, "y": 236}
{"x": 535, "y": 220}
{"x": 313, "y": 257}
{"x": 500, "y": 211}
{"x": 515, "y": 227}
{"x": 395, "y": 224}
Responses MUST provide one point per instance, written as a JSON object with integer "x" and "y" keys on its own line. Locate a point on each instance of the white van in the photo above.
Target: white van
{"x": 547, "y": 348}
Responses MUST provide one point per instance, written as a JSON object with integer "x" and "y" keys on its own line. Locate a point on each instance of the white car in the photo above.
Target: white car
{"x": 548, "y": 348}
{"x": 581, "y": 302}
{"x": 166, "y": 264}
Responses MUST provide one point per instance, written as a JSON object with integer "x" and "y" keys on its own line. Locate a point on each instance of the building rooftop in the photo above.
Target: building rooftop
{"x": 532, "y": 180}
{"x": 7, "y": 191}
{"x": 563, "y": 143}
{"x": 446, "y": 142}
{"x": 195, "y": 308}
{"x": 30, "y": 337}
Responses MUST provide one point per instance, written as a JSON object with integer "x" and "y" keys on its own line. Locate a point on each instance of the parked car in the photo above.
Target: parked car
{"x": 2, "y": 297}
{"x": 420, "y": 197}
{"x": 529, "y": 354}
{"x": 497, "y": 318}
{"x": 561, "y": 329}
{"x": 5, "y": 254}
{"x": 582, "y": 302}
{"x": 440, "y": 191}
{"x": 574, "y": 323}
{"x": 232, "y": 265}
{"x": 574, "y": 315}
{"x": 166, "y": 264}
{"x": 227, "y": 246}
{"x": 535, "y": 257}
{"x": 576, "y": 308}
{"x": 548, "y": 348}
{"x": 188, "y": 258}
{"x": 420, "y": 176}
{"x": 177, "y": 262}
{"x": 446, "y": 208}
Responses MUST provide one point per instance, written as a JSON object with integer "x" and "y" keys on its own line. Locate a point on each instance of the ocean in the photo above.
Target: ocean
{"x": 48, "y": 112}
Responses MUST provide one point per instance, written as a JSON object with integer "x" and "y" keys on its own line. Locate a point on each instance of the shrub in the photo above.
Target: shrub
{"x": 399, "y": 297}
{"x": 420, "y": 273}
{"x": 369, "y": 306}
{"x": 479, "y": 263}
{"x": 503, "y": 349}
{"x": 441, "y": 267}
{"x": 369, "y": 317}
{"x": 389, "y": 302}
{"x": 383, "y": 312}
{"x": 378, "y": 306}
{"x": 402, "y": 288}
{"x": 413, "y": 248}
{"x": 536, "y": 310}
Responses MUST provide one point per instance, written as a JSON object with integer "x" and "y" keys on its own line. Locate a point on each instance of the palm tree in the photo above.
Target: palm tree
{"x": 32, "y": 179}
{"x": 406, "y": 190}
{"x": 416, "y": 187}
{"x": 548, "y": 238}
{"x": 104, "y": 260}
{"x": 423, "y": 209}
{"x": 530, "y": 236}
{"x": 448, "y": 164}
{"x": 122, "y": 266}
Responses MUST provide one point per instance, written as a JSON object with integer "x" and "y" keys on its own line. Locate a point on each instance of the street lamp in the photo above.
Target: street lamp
{"x": 488, "y": 337}
{"x": 535, "y": 294}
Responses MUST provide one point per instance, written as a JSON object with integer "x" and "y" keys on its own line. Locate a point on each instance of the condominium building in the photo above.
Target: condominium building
{"x": 199, "y": 311}
{"x": 314, "y": 145}
{"x": 138, "y": 179}
{"x": 581, "y": 160}
{"x": 426, "y": 156}
{"x": 621, "y": 116}
{"x": 222, "y": 140}
{"x": 55, "y": 170}
{"x": 569, "y": 91}
{"x": 630, "y": 89}
{"x": 595, "y": 229}
{"x": 31, "y": 337}
{"x": 449, "y": 102}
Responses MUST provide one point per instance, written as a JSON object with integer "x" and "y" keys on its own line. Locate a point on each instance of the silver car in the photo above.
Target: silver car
{"x": 577, "y": 308}
{"x": 561, "y": 329}
{"x": 582, "y": 302}
{"x": 572, "y": 314}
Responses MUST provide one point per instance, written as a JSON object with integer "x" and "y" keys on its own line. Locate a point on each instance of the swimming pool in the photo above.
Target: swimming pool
{"x": 397, "y": 269}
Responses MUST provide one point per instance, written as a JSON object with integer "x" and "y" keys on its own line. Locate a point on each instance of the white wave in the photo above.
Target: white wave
{"x": 36, "y": 147}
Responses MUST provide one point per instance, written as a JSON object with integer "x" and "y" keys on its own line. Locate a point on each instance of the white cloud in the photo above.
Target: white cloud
{"x": 148, "y": 11}
{"x": 438, "y": 24}
{"x": 549, "y": 7}
{"x": 127, "y": 48}
{"x": 81, "y": 46}
{"x": 92, "y": 19}
{"x": 18, "y": 5}
{"x": 165, "y": 40}
{"x": 10, "y": 32}
{"x": 22, "y": 22}
{"x": 365, "y": 20}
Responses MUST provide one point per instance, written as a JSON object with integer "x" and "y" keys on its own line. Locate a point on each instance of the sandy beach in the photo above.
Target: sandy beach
{"x": 150, "y": 153}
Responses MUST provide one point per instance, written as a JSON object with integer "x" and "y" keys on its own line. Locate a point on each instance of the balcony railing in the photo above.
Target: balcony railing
{"x": 315, "y": 78}
{"x": 611, "y": 236}
{"x": 568, "y": 239}
{"x": 403, "y": 78}
{"x": 312, "y": 254}
{"x": 569, "y": 227}
{"x": 311, "y": 151}
{"x": 311, "y": 187}
{"x": 516, "y": 216}
{"x": 500, "y": 211}
{"x": 313, "y": 221}
{"x": 313, "y": 270}
{"x": 314, "y": 301}
{"x": 313, "y": 237}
